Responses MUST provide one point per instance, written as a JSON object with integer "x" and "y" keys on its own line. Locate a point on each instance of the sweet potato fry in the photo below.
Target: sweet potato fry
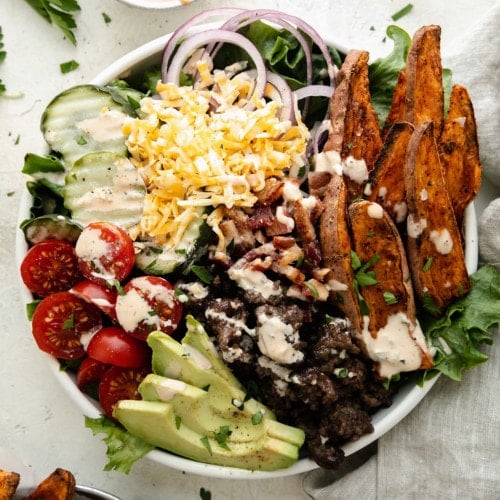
{"x": 388, "y": 299}
{"x": 355, "y": 132}
{"x": 397, "y": 110}
{"x": 59, "y": 485}
{"x": 435, "y": 250}
{"x": 459, "y": 152}
{"x": 387, "y": 178}
{"x": 9, "y": 481}
{"x": 335, "y": 244}
{"x": 424, "y": 79}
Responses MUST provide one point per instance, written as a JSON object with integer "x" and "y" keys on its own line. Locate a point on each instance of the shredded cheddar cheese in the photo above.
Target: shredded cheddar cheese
{"x": 206, "y": 147}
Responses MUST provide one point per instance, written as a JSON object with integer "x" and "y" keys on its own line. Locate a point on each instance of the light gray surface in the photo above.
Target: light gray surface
{"x": 39, "y": 423}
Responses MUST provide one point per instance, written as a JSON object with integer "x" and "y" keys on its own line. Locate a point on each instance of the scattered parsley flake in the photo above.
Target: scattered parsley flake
{"x": 178, "y": 421}
{"x": 257, "y": 417}
{"x": 205, "y": 494}
{"x": 68, "y": 66}
{"x": 390, "y": 298}
{"x": 402, "y": 12}
{"x": 428, "y": 264}
{"x": 222, "y": 436}
{"x": 69, "y": 323}
{"x": 106, "y": 18}
{"x": 206, "y": 443}
{"x": 203, "y": 274}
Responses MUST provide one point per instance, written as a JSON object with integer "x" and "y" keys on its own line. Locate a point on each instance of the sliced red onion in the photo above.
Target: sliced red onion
{"x": 314, "y": 91}
{"x": 202, "y": 38}
{"x": 285, "y": 95}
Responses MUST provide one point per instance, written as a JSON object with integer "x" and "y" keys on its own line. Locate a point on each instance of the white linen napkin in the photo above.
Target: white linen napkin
{"x": 449, "y": 446}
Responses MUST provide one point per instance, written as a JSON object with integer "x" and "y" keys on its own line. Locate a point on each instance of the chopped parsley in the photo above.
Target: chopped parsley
{"x": 390, "y": 298}
{"x": 68, "y": 66}
{"x": 428, "y": 264}
{"x": 402, "y": 12}
{"x": 222, "y": 436}
{"x": 106, "y": 18}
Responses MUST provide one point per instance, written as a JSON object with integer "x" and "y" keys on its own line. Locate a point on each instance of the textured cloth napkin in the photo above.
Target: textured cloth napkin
{"x": 449, "y": 446}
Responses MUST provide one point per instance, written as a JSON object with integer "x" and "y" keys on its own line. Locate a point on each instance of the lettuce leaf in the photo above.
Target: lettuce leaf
{"x": 123, "y": 449}
{"x": 459, "y": 334}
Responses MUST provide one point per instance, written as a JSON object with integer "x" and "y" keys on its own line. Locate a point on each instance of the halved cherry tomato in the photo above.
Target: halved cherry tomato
{"x": 114, "y": 346}
{"x": 102, "y": 296}
{"x": 60, "y": 320}
{"x": 148, "y": 303}
{"x": 119, "y": 383}
{"x": 50, "y": 266}
{"x": 90, "y": 373}
{"x": 105, "y": 252}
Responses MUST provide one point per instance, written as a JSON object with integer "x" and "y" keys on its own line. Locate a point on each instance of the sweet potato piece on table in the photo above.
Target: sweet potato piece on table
{"x": 9, "y": 481}
{"x": 391, "y": 333}
{"x": 459, "y": 152}
{"x": 59, "y": 485}
{"x": 335, "y": 244}
{"x": 435, "y": 250}
{"x": 387, "y": 178}
{"x": 355, "y": 129}
{"x": 424, "y": 79}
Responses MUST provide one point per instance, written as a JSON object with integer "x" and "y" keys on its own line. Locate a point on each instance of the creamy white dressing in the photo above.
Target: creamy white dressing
{"x": 168, "y": 388}
{"x": 276, "y": 340}
{"x": 375, "y": 211}
{"x": 106, "y": 127}
{"x": 424, "y": 195}
{"x": 442, "y": 241}
{"x": 91, "y": 247}
{"x": 355, "y": 169}
{"x": 222, "y": 316}
{"x": 254, "y": 281}
{"x": 415, "y": 227}
{"x": 284, "y": 219}
{"x": 394, "y": 348}
{"x": 400, "y": 210}
{"x": 328, "y": 161}
{"x": 291, "y": 191}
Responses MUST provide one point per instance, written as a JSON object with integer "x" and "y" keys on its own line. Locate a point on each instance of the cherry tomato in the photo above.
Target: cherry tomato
{"x": 50, "y": 266}
{"x": 104, "y": 297}
{"x": 148, "y": 303}
{"x": 119, "y": 383}
{"x": 90, "y": 373}
{"x": 114, "y": 346}
{"x": 105, "y": 252}
{"x": 60, "y": 320}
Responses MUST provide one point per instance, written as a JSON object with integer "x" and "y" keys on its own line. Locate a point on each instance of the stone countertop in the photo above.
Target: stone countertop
{"x": 39, "y": 422}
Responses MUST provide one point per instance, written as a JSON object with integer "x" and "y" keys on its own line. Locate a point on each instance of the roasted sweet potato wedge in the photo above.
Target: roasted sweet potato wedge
{"x": 355, "y": 132}
{"x": 459, "y": 152}
{"x": 59, "y": 485}
{"x": 9, "y": 481}
{"x": 335, "y": 244}
{"x": 391, "y": 334}
{"x": 424, "y": 79}
{"x": 435, "y": 250}
{"x": 397, "y": 110}
{"x": 386, "y": 181}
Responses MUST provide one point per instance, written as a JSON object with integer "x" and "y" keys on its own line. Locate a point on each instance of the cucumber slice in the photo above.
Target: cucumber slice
{"x": 167, "y": 259}
{"x": 84, "y": 119}
{"x": 50, "y": 226}
{"x": 104, "y": 186}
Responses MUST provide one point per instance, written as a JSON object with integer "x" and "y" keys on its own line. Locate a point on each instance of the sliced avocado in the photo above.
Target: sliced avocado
{"x": 183, "y": 362}
{"x": 155, "y": 422}
{"x": 211, "y": 410}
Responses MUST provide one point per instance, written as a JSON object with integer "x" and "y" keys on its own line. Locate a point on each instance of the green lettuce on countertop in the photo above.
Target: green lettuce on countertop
{"x": 459, "y": 334}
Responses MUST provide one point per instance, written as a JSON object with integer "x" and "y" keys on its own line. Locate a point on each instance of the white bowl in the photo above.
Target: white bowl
{"x": 157, "y": 4}
{"x": 404, "y": 402}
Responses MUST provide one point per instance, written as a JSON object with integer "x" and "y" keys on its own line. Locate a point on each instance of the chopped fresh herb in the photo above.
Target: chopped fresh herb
{"x": 68, "y": 66}
{"x": 10, "y": 193}
{"x": 206, "y": 443}
{"x": 30, "y": 309}
{"x": 178, "y": 421}
{"x": 106, "y": 18}
{"x": 203, "y": 274}
{"x": 312, "y": 289}
{"x": 59, "y": 12}
{"x": 81, "y": 141}
{"x": 205, "y": 494}
{"x": 370, "y": 235}
{"x": 390, "y": 298}
{"x": 355, "y": 261}
{"x": 118, "y": 286}
{"x": 69, "y": 323}
{"x": 257, "y": 417}
{"x": 222, "y": 436}
{"x": 402, "y": 12}
{"x": 341, "y": 372}
{"x": 302, "y": 171}
{"x": 180, "y": 251}
{"x": 427, "y": 264}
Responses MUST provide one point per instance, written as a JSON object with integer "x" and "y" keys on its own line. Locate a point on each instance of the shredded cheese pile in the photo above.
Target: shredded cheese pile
{"x": 206, "y": 147}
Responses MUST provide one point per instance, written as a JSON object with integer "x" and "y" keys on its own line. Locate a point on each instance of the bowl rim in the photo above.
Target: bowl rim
{"x": 383, "y": 420}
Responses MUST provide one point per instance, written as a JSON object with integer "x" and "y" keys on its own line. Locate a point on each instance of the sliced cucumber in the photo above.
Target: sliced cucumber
{"x": 104, "y": 186}
{"x": 167, "y": 259}
{"x": 49, "y": 226}
{"x": 84, "y": 119}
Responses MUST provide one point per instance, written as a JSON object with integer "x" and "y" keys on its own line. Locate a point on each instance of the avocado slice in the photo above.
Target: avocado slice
{"x": 209, "y": 411}
{"x": 184, "y": 362}
{"x": 155, "y": 422}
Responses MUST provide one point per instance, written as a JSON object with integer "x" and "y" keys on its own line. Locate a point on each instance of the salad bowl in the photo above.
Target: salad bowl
{"x": 406, "y": 399}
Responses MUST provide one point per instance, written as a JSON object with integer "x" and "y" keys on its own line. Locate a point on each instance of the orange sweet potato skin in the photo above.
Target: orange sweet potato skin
{"x": 9, "y": 481}
{"x": 435, "y": 251}
{"x": 424, "y": 99}
{"x": 459, "y": 152}
{"x": 59, "y": 485}
{"x": 355, "y": 129}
